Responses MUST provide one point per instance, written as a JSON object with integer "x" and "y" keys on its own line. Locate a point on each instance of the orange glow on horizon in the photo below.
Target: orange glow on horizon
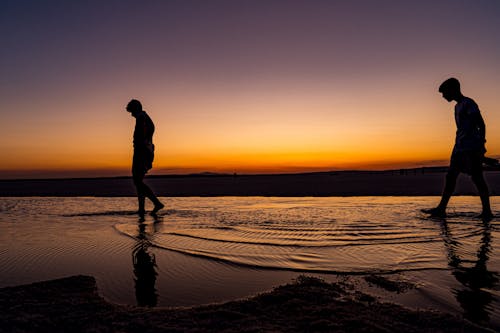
{"x": 312, "y": 87}
{"x": 250, "y": 163}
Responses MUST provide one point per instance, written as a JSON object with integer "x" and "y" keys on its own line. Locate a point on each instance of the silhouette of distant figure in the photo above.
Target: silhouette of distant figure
{"x": 468, "y": 152}
{"x": 143, "y": 155}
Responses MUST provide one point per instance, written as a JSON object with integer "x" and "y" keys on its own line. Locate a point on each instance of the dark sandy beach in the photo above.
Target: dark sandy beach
{"x": 306, "y": 305}
{"x": 414, "y": 182}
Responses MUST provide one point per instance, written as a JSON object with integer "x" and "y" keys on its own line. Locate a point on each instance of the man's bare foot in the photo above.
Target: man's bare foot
{"x": 157, "y": 207}
{"x": 435, "y": 212}
{"x": 486, "y": 216}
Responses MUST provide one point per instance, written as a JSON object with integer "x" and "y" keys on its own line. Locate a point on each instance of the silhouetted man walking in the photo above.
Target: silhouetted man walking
{"x": 468, "y": 152}
{"x": 143, "y": 155}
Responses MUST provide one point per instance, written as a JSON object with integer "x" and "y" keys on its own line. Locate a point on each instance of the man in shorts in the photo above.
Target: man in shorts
{"x": 468, "y": 152}
{"x": 143, "y": 155}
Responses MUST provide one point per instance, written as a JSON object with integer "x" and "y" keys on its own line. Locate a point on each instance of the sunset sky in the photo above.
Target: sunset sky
{"x": 241, "y": 86}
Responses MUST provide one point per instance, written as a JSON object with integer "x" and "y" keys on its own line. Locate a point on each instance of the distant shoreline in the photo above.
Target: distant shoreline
{"x": 228, "y": 174}
{"x": 404, "y": 182}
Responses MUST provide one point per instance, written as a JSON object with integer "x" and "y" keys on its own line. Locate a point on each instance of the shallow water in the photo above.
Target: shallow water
{"x": 202, "y": 250}
{"x": 315, "y": 235}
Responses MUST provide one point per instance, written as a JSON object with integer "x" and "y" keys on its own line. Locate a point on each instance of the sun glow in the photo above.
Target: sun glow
{"x": 304, "y": 90}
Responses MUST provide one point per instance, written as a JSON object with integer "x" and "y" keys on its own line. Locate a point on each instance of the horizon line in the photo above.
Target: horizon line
{"x": 231, "y": 174}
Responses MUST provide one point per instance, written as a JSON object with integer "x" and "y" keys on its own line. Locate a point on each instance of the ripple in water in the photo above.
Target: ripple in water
{"x": 179, "y": 256}
{"x": 314, "y": 235}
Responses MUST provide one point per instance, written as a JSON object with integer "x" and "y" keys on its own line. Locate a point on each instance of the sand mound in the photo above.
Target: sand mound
{"x": 308, "y": 304}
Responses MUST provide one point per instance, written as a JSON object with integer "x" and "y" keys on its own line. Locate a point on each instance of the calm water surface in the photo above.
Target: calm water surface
{"x": 203, "y": 250}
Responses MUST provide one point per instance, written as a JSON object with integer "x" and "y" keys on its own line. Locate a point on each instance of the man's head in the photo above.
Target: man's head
{"x": 450, "y": 89}
{"x": 134, "y": 106}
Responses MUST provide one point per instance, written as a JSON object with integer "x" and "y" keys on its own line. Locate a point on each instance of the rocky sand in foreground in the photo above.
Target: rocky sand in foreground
{"x": 306, "y": 305}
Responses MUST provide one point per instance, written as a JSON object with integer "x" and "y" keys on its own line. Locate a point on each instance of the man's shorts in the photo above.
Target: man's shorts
{"x": 469, "y": 162}
{"x": 142, "y": 162}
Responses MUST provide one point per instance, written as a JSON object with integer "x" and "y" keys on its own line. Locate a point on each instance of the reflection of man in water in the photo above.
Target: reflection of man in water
{"x": 143, "y": 155}
{"x": 474, "y": 298}
{"x": 144, "y": 271}
{"x": 468, "y": 152}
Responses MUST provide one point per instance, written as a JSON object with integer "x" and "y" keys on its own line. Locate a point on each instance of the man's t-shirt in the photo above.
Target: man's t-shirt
{"x": 144, "y": 129}
{"x": 470, "y": 126}
{"x": 143, "y": 143}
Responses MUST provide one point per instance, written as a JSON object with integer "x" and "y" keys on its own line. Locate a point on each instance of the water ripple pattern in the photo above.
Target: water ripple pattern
{"x": 330, "y": 235}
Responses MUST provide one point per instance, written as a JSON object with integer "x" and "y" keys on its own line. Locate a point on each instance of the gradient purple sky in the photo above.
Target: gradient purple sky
{"x": 241, "y": 86}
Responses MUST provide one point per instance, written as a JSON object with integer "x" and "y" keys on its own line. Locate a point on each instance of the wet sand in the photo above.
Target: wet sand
{"x": 307, "y": 304}
{"x": 415, "y": 182}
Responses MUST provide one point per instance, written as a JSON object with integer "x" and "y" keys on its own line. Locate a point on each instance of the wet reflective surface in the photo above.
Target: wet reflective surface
{"x": 203, "y": 250}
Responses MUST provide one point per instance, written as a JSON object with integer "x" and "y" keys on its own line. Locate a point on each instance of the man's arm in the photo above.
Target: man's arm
{"x": 477, "y": 119}
{"x": 140, "y": 132}
{"x": 480, "y": 125}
